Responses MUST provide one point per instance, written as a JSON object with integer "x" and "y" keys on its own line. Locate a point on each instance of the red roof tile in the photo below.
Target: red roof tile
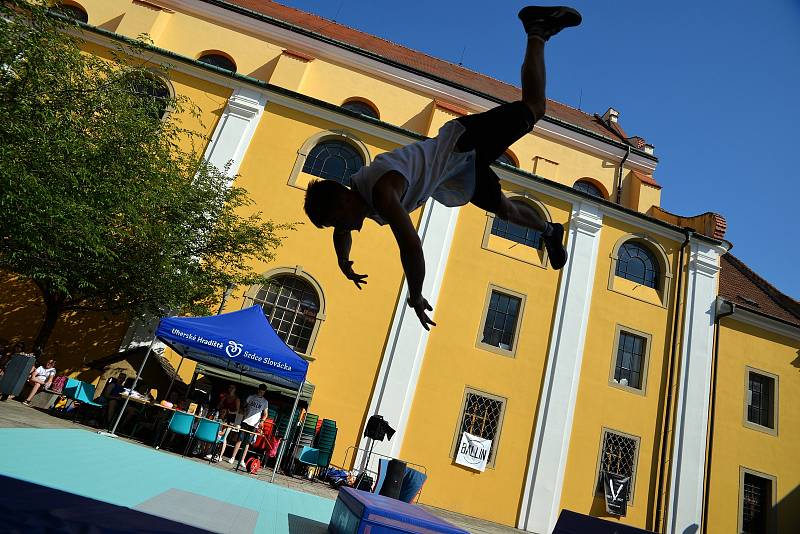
{"x": 738, "y": 283}
{"x": 422, "y": 62}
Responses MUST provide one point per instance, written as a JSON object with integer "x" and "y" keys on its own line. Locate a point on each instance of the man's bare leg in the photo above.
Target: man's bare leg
{"x": 533, "y": 77}
{"x": 521, "y": 213}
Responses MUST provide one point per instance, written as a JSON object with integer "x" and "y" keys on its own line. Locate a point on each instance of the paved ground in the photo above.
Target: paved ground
{"x": 15, "y": 415}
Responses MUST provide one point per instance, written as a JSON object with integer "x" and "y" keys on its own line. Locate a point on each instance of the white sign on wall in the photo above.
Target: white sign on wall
{"x": 473, "y": 452}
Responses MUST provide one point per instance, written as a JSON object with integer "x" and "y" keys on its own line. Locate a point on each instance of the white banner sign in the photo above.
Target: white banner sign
{"x": 473, "y": 452}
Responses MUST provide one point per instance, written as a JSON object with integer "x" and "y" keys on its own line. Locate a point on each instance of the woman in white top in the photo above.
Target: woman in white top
{"x": 41, "y": 376}
{"x": 452, "y": 168}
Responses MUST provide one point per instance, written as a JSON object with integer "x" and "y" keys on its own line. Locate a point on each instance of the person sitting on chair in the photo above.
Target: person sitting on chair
{"x": 40, "y": 376}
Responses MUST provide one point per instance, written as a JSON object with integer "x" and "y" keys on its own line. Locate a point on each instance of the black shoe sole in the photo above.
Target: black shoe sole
{"x": 547, "y": 21}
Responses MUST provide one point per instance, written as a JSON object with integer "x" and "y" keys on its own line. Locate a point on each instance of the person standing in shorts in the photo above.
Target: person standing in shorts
{"x": 452, "y": 168}
{"x": 255, "y": 412}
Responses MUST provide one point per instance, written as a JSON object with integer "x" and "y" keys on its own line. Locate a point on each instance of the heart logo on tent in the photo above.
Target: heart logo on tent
{"x": 233, "y": 349}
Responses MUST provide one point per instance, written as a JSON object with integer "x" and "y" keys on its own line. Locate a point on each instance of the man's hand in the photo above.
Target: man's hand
{"x": 420, "y": 306}
{"x": 347, "y": 269}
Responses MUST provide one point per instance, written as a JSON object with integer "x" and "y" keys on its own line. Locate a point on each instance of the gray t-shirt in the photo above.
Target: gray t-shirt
{"x": 431, "y": 169}
{"x": 254, "y": 406}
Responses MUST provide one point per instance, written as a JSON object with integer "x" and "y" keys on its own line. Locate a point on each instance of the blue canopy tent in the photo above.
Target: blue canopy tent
{"x": 242, "y": 341}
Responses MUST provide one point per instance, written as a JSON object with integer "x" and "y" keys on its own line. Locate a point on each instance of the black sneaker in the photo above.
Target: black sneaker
{"x": 554, "y": 243}
{"x": 546, "y": 21}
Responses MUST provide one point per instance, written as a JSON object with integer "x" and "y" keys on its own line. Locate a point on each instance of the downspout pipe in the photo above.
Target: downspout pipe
{"x": 721, "y": 312}
{"x": 679, "y": 305}
{"x": 619, "y": 175}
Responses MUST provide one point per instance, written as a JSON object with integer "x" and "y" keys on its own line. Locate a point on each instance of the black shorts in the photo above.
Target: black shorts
{"x": 490, "y": 134}
{"x": 246, "y": 437}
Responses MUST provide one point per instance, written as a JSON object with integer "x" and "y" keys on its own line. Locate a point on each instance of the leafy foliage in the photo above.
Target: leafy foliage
{"x": 101, "y": 203}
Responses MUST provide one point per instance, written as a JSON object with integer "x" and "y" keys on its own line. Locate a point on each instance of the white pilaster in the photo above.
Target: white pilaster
{"x": 685, "y": 506}
{"x": 405, "y": 349}
{"x": 544, "y": 480}
{"x": 235, "y": 129}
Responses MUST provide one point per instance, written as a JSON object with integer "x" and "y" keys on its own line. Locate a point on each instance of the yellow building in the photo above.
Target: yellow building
{"x": 653, "y": 354}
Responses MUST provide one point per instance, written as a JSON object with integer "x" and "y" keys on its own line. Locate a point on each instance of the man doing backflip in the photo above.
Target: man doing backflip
{"x": 453, "y": 168}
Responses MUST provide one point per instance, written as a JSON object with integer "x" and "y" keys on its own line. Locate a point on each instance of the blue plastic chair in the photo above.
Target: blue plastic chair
{"x": 81, "y": 392}
{"x": 208, "y": 432}
{"x": 180, "y": 424}
{"x": 85, "y": 395}
{"x": 71, "y": 388}
{"x": 308, "y": 456}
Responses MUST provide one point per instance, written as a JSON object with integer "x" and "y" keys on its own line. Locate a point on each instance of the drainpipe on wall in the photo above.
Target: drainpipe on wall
{"x": 665, "y": 429}
{"x": 619, "y": 175}
{"x": 731, "y": 309}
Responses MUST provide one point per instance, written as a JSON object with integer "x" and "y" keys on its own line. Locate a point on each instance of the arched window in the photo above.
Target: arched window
{"x": 155, "y": 94}
{"x": 507, "y": 159}
{"x": 291, "y": 305}
{"x": 333, "y": 160}
{"x": 637, "y": 264}
{"x": 74, "y": 12}
{"x": 218, "y": 60}
{"x": 588, "y": 187}
{"x": 517, "y": 233}
{"x": 359, "y": 106}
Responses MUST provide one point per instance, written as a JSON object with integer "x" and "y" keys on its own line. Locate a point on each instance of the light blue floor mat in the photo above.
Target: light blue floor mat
{"x": 125, "y": 474}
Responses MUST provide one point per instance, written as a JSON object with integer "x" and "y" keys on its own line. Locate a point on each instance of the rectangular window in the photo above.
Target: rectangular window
{"x": 482, "y": 416}
{"x": 755, "y": 502}
{"x": 500, "y": 323}
{"x": 618, "y": 454}
{"x": 630, "y": 356}
{"x": 630, "y": 360}
{"x": 761, "y": 400}
{"x": 516, "y": 233}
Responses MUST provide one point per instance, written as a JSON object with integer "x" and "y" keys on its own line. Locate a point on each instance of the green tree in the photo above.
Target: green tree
{"x": 101, "y": 206}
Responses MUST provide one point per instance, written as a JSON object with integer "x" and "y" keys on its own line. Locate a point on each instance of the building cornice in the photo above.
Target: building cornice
{"x": 436, "y": 87}
{"x": 764, "y": 321}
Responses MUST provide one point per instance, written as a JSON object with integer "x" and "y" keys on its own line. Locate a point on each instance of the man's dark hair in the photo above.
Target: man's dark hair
{"x": 321, "y": 197}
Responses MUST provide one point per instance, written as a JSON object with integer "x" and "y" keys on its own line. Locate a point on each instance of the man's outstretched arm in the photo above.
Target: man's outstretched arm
{"x": 342, "y": 241}
{"x": 387, "y": 203}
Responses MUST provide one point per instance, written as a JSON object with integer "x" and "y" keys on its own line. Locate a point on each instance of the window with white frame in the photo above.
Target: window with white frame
{"x": 755, "y": 502}
{"x": 291, "y": 305}
{"x": 637, "y": 264}
{"x": 218, "y": 60}
{"x": 618, "y": 454}
{"x": 501, "y": 320}
{"x": 482, "y": 416}
{"x": 588, "y": 187}
{"x": 361, "y": 107}
{"x": 761, "y": 400}
{"x": 630, "y": 361}
{"x": 333, "y": 159}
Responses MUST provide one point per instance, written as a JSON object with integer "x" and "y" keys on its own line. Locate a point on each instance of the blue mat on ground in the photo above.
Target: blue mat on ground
{"x": 29, "y": 507}
{"x": 123, "y": 474}
{"x": 360, "y": 512}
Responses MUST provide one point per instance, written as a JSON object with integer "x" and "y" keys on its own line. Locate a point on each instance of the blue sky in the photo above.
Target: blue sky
{"x": 714, "y": 85}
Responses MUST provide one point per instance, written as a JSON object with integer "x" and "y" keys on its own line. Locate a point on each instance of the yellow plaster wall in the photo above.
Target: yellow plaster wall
{"x": 453, "y": 361}
{"x": 648, "y": 196}
{"x": 336, "y": 83}
{"x": 561, "y": 163}
{"x": 600, "y": 405}
{"x": 735, "y": 445}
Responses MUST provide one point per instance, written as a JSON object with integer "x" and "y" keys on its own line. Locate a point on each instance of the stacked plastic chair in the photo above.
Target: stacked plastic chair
{"x": 326, "y": 439}
{"x": 309, "y": 432}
